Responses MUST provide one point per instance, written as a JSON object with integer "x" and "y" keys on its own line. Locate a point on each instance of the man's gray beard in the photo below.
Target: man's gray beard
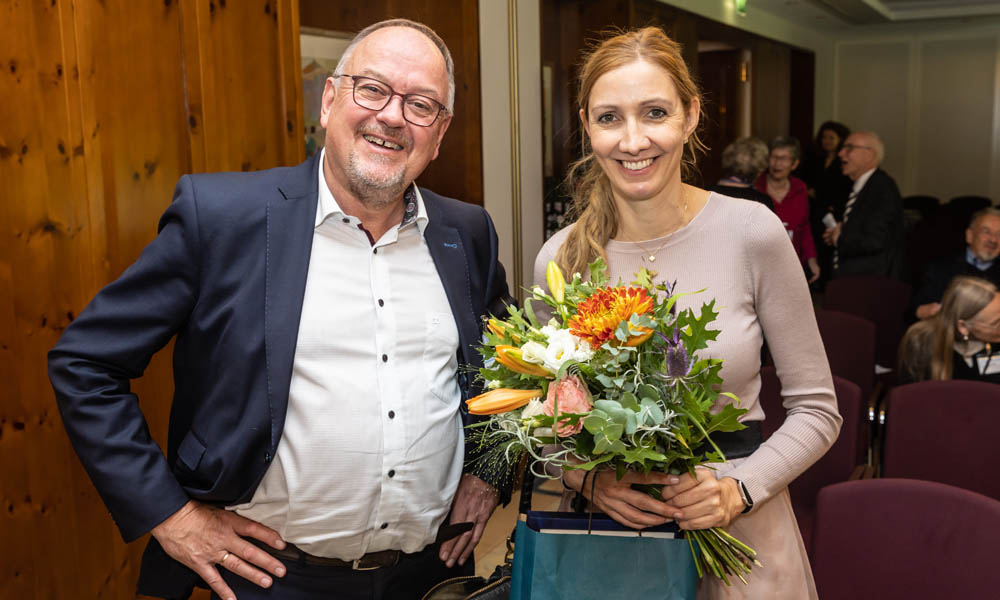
{"x": 376, "y": 193}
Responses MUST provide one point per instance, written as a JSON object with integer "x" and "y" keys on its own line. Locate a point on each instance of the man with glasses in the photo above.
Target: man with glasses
{"x": 979, "y": 260}
{"x": 325, "y": 317}
{"x": 868, "y": 237}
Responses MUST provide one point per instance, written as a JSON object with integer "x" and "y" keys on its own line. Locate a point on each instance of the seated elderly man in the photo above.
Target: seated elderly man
{"x": 979, "y": 259}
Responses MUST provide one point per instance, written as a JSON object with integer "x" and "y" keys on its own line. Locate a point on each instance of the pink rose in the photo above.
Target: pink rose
{"x": 573, "y": 397}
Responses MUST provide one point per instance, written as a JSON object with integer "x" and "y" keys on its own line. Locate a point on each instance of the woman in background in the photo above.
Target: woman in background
{"x": 828, "y": 186}
{"x": 791, "y": 200}
{"x": 639, "y": 110}
{"x": 742, "y": 161}
{"x": 962, "y": 341}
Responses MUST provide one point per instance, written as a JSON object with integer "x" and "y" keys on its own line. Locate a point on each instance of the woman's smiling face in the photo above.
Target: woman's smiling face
{"x": 637, "y": 125}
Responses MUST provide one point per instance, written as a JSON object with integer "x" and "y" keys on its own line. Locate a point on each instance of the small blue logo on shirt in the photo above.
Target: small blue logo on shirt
{"x": 447, "y": 245}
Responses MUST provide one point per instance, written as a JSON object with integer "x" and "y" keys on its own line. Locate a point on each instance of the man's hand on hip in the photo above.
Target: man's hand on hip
{"x": 202, "y": 536}
{"x": 474, "y": 502}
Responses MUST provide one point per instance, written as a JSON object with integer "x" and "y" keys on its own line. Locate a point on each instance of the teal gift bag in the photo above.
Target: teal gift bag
{"x": 555, "y": 557}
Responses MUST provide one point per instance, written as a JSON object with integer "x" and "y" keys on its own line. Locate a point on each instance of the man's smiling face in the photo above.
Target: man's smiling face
{"x": 375, "y": 154}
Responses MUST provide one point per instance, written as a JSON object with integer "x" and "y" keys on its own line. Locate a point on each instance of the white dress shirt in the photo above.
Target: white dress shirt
{"x": 371, "y": 452}
{"x": 860, "y": 182}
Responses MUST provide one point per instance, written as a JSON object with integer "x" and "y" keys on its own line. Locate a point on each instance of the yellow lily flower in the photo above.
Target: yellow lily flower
{"x": 500, "y": 330}
{"x": 511, "y": 357}
{"x": 501, "y": 401}
{"x": 557, "y": 283}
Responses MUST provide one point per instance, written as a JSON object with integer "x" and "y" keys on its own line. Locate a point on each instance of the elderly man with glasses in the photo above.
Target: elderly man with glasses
{"x": 325, "y": 317}
{"x": 868, "y": 237}
{"x": 980, "y": 259}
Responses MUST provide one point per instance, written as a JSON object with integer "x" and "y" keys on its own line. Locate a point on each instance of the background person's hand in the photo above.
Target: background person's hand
{"x": 813, "y": 268}
{"x": 704, "y": 501}
{"x": 474, "y": 502}
{"x": 831, "y": 235}
{"x": 202, "y": 537}
{"x": 617, "y": 499}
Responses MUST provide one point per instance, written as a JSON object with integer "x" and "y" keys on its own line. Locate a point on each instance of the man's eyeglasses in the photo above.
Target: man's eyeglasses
{"x": 375, "y": 95}
{"x": 852, "y": 147}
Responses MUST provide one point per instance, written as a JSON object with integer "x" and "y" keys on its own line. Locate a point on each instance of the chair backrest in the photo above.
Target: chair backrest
{"x": 850, "y": 449}
{"x": 899, "y": 538}
{"x": 944, "y": 431}
{"x": 850, "y": 347}
{"x": 925, "y": 205}
{"x": 881, "y": 300}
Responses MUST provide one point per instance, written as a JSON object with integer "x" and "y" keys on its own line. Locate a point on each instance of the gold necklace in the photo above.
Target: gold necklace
{"x": 652, "y": 255}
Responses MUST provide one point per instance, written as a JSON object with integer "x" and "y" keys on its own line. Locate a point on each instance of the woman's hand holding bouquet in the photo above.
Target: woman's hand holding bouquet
{"x": 612, "y": 380}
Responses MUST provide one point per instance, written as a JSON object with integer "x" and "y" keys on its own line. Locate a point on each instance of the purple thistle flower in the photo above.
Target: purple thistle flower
{"x": 678, "y": 361}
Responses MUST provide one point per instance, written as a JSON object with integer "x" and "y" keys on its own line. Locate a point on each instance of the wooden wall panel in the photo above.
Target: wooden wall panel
{"x": 771, "y": 85}
{"x": 94, "y": 133}
{"x": 458, "y": 170}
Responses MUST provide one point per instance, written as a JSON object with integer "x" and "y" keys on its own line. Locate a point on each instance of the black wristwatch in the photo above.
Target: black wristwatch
{"x": 744, "y": 496}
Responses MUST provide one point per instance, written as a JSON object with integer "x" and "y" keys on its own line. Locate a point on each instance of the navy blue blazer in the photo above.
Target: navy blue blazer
{"x": 226, "y": 274}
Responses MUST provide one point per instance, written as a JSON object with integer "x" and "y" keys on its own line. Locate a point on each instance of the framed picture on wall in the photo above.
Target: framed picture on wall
{"x": 321, "y": 49}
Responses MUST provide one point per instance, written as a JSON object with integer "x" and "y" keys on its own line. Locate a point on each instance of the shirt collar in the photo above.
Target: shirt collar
{"x": 973, "y": 260}
{"x": 861, "y": 181}
{"x": 327, "y": 206}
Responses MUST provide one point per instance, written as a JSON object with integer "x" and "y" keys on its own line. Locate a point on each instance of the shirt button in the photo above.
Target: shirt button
{"x": 375, "y": 251}
{"x": 385, "y": 358}
{"x": 346, "y": 220}
{"x": 392, "y": 473}
{"x": 392, "y": 414}
{"x": 381, "y": 302}
{"x": 384, "y": 525}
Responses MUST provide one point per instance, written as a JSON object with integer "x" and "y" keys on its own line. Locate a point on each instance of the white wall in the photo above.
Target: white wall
{"x": 512, "y": 157}
{"x": 933, "y": 93}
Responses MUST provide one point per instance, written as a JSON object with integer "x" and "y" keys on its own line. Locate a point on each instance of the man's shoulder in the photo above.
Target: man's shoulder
{"x": 451, "y": 211}
{"x": 243, "y": 183}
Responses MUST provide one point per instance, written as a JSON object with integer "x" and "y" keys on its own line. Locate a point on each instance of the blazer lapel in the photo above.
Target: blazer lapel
{"x": 452, "y": 263}
{"x": 291, "y": 217}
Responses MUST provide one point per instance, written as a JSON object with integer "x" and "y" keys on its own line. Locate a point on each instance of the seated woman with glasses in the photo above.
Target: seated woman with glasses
{"x": 962, "y": 341}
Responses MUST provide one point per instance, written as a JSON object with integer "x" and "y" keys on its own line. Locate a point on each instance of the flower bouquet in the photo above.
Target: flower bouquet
{"x": 612, "y": 381}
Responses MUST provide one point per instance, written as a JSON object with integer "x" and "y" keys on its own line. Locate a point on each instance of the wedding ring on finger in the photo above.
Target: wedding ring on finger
{"x": 224, "y": 557}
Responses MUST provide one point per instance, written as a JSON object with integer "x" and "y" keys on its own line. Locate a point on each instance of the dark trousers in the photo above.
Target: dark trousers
{"x": 408, "y": 580}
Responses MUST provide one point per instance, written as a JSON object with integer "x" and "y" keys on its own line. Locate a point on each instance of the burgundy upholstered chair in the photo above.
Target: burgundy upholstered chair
{"x": 944, "y": 431}
{"x": 850, "y": 347}
{"x": 902, "y": 538}
{"x": 882, "y": 301}
{"x": 841, "y": 462}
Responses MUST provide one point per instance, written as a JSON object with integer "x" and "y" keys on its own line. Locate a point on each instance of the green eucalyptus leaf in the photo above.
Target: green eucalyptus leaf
{"x": 648, "y": 391}
{"x": 629, "y": 401}
{"x": 631, "y": 423}
{"x": 613, "y": 432}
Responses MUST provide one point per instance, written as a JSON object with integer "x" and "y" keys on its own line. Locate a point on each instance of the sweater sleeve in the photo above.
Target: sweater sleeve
{"x": 783, "y": 307}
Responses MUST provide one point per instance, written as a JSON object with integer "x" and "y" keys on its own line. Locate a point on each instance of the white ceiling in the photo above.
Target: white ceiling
{"x": 842, "y": 13}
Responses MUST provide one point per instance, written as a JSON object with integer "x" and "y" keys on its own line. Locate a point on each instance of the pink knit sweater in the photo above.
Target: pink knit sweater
{"x": 739, "y": 253}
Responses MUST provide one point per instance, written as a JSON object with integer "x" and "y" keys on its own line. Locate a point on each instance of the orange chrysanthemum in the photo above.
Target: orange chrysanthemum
{"x": 597, "y": 317}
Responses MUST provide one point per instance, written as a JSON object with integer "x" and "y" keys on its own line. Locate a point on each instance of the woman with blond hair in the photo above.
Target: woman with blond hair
{"x": 639, "y": 110}
{"x": 957, "y": 342}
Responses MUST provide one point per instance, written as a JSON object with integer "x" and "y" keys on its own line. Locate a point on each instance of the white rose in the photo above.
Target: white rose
{"x": 564, "y": 346}
{"x": 532, "y": 409}
{"x": 533, "y": 352}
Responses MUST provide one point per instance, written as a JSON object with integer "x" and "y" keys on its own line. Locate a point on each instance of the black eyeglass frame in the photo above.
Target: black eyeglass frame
{"x": 442, "y": 109}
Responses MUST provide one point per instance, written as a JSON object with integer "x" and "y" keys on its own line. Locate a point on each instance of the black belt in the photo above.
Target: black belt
{"x": 368, "y": 562}
{"x": 736, "y": 444}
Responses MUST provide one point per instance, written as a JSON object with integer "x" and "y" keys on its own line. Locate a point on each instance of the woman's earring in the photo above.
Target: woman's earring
{"x": 965, "y": 337}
